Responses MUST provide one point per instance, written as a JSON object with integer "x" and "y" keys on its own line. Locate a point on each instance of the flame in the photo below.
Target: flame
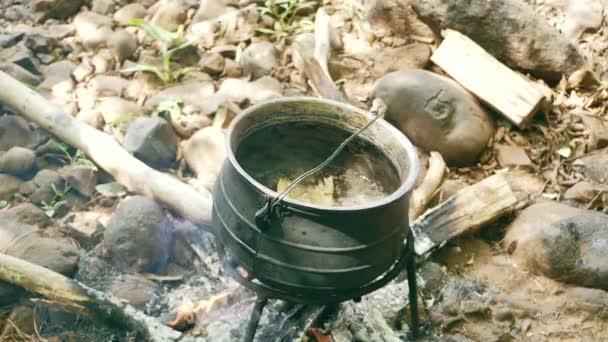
{"x": 187, "y": 311}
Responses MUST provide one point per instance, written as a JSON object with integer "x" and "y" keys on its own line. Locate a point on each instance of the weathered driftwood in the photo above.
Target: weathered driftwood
{"x": 422, "y": 195}
{"x": 107, "y": 153}
{"x": 77, "y": 297}
{"x": 467, "y": 210}
{"x": 490, "y": 80}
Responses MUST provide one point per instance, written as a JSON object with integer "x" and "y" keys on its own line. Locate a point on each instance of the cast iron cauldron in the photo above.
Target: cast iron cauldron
{"x": 311, "y": 253}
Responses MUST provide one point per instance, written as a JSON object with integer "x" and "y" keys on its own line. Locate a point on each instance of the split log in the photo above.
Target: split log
{"x": 487, "y": 78}
{"x": 315, "y": 59}
{"x": 77, "y": 297}
{"x": 106, "y": 152}
{"x": 422, "y": 195}
{"x": 467, "y": 210}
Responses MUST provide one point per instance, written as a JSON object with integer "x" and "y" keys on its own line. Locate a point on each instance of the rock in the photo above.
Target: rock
{"x": 18, "y": 161}
{"x": 103, "y": 6}
{"x": 15, "y": 131}
{"x": 561, "y": 242}
{"x": 152, "y": 140}
{"x": 170, "y": 15}
{"x": 595, "y": 165}
{"x": 94, "y": 29}
{"x": 525, "y": 185}
{"x": 40, "y": 188}
{"x": 437, "y": 114}
{"x": 509, "y": 30}
{"x": 212, "y": 63}
{"x": 597, "y": 130}
{"x": 60, "y": 31}
{"x": 10, "y": 39}
{"x": 40, "y": 42}
{"x": 123, "y": 45}
{"x": 138, "y": 236}
{"x": 259, "y": 59}
{"x": 103, "y": 61}
{"x": 583, "y": 191}
{"x": 211, "y": 9}
{"x": 55, "y": 9}
{"x": 58, "y": 81}
{"x": 11, "y": 228}
{"x": 102, "y": 85}
{"x": 114, "y": 109}
{"x": 238, "y": 91}
{"x": 190, "y": 93}
{"x": 412, "y": 56}
{"x": 9, "y": 185}
{"x": 433, "y": 276}
{"x": 29, "y": 214}
{"x": 20, "y": 73}
{"x": 582, "y": 16}
{"x": 82, "y": 179}
{"x": 128, "y": 12}
{"x": 231, "y": 68}
{"x": 20, "y": 55}
{"x": 59, "y": 255}
{"x": 133, "y": 288}
{"x": 204, "y": 153}
{"x": 91, "y": 117}
{"x": 388, "y": 17}
{"x": 84, "y": 227}
{"x": 507, "y": 155}
{"x": 83, "y": 70}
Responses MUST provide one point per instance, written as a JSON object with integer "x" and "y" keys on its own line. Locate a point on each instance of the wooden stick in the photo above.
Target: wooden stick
{"x": 72, "y": 294}
{"x": 195, "y": 205}
{"x": 467, "y": 210}
{"x": 423, "y": 194}
{"x": 487, "y": 78}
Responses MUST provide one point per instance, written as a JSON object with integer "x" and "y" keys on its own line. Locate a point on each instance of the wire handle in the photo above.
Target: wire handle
{"x": 378, "y": 109}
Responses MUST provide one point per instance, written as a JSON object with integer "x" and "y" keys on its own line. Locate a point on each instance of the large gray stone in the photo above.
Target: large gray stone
{"x": 42, "y": 187}
{"x": 259, "y": 59}
{"x": 94, "y": 29}
{"x": 561, "y": 242}
{"x": 152, "y": 140}
{"x": 15, "y": 131}
{"x": 9, "y": 185}
{"x": 190, "y": 93}
{"x": 21, "y": 74}
{"x": 59, "y": 255}
{"x": 170, "y": 15}
{"x": 436, "y": 113}
{"x": 138, "y": 236}
{"x": 510, "y": 30}
{"x": 20, "y": 55}
{"x": 56, "y": 9}
{"x": 123, "y": 45}
{"x": 133, "y": 288}
{"x": 18, "y": 161}
{"x": 29, "y": 214}
{"x": 128, "y": 12}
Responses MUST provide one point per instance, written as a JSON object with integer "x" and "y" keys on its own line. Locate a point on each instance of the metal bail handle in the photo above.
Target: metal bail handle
{"x": 264, "y": 216}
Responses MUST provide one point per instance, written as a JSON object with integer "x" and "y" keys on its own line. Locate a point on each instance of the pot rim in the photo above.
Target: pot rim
{"x": 403, "y": 189}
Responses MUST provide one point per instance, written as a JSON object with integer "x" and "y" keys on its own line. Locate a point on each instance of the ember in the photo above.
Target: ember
{"x": 187, "y": 312}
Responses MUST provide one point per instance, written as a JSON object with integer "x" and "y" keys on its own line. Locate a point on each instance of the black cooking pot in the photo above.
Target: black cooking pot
{"x": 303, "y": 252}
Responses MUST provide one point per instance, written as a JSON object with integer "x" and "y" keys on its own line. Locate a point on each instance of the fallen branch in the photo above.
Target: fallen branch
{"x": 107, "y": 153}
{"x": 467, "y": 210}
{"x": 74, "y": 296}
{"x": 423, "y": 194}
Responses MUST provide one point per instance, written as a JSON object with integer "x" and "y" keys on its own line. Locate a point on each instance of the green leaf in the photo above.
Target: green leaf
{"x": 182, "y": 71}
{"x": 146, "y": 68}
{"x": 265, "y": 30}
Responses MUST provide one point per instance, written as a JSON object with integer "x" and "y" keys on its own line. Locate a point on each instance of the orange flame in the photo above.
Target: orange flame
{"x": 187, "y": 311}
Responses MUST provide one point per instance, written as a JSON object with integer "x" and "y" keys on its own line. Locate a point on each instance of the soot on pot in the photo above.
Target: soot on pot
{"x": 275, "y": 155}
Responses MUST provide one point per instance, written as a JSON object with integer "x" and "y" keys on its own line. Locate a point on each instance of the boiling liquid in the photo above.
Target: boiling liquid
{"x": 278, "y": 154}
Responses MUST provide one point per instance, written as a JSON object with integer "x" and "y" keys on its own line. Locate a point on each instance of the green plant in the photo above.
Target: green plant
{"x": 169, "y": 44}
{"x": 170, "y": 109}
{"x": 123, "y": 121}
{"x": 58, "y": 199}
{"x": 78, "y": 158}
{"x": 284, "y": 13}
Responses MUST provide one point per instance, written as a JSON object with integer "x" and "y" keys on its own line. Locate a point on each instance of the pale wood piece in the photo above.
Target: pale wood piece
{"x": 468, "y": 209}
{"x": 422, "y": 195}
{"x": 72, "y": 295}
{"x": 195, "y": 205}
{"x": 487, "y": 78}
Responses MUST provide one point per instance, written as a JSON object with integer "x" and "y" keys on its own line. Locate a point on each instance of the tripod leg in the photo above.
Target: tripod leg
{"x": 252, "y": 327}
{"x": 411, "y": 282}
